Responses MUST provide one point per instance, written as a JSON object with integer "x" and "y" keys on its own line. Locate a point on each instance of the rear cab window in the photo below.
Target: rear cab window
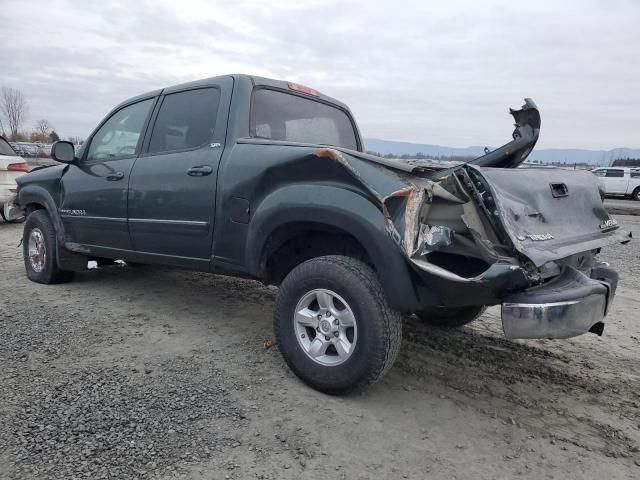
{"x": 5, "y": 149}
{"x": 289, "y": 117}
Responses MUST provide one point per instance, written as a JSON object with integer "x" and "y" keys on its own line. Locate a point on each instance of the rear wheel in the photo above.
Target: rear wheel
{"x": 445, "y": 317}
{"x": 636, "y": 194}
{"x": 333, "y": 325}
{"x": 39, "y": 250}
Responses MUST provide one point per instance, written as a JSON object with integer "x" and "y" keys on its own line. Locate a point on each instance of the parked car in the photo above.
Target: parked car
{"x": 44, "y": 151}
{"x": 620, "y": 181}
{"x": 26, "y": 149}
{"x": 11, "y": 167}
{"x": 268, "y": 180}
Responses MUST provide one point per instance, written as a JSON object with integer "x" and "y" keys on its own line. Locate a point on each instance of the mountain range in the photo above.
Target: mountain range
{"x": 545, "y": 155}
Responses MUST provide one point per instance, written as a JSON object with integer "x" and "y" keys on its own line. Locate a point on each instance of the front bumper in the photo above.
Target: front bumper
{"x": 569, "y": 305}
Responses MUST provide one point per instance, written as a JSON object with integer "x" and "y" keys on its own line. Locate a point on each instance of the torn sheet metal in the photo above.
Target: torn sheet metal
{"x": 433, "y": 238}
{"x": 510, "y": 218}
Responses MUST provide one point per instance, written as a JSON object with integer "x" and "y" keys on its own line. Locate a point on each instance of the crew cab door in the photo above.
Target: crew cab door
{"x": 615, "y": 181}
{"x": 172, "y": 190}
{"x": 93, "y": 194}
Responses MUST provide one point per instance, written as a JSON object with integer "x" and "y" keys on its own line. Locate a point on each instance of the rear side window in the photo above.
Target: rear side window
{"x": 5, "y": 148}
{"x": 291, "y": 118}
{"x": 185, "y": 120}
{"x": 615, "y": 173}
{"x": 635, "y": 174}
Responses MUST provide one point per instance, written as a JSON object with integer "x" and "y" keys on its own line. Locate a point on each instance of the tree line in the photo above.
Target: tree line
{"x": 14, "y": 110}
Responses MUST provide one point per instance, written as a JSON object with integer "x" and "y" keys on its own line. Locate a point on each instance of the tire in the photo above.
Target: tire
{"x": 39, "y": 250}
{"x": 444, "y": 317}
{"x": 17, "y": 220}
{"x": 374, "y": 336}
{"x": 636, "y": 194}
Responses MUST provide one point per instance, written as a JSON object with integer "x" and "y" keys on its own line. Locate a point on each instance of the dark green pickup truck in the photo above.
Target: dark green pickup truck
{"x": 265, "y": 179}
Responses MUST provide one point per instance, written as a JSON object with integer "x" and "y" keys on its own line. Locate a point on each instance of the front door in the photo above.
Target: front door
{"x": 93, "y": 203}
{"x": 172, "y": 189}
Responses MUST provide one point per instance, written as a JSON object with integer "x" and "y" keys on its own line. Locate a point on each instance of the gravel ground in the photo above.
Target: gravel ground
{"x": 159, "y": 373}
{"x": 622, "y": 206}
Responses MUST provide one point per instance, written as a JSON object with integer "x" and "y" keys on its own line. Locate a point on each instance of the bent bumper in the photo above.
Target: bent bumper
{"x": 567, "y": 306}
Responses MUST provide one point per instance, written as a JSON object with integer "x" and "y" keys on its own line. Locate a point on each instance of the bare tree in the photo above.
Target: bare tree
{"x": 43, "y": 127}
{"x": 14, "y": 107}
{"x": 76, "y": 140}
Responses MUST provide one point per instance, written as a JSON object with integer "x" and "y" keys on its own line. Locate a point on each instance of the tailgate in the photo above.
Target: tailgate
{"x": 550, "y": 213}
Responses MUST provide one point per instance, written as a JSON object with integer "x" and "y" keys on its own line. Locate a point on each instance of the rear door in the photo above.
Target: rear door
{"x": 172, "y": 190}
{"x": 93, "y": 203}
{"x": 615, "y": 181}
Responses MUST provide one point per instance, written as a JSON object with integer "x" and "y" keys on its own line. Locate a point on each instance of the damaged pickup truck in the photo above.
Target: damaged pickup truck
{"x": 264, "y": 179}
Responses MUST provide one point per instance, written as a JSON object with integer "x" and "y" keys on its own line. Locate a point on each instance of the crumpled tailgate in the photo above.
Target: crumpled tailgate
{"x": 549, "y": 213}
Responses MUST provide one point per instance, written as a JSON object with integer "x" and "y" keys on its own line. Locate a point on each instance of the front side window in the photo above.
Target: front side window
{"x": 615, "y": 173}
{"x": 185, "y": 120}
{"x": 118, "y": 137}
{"x": 291, "y": 118}
{"x": 599, "y": 173}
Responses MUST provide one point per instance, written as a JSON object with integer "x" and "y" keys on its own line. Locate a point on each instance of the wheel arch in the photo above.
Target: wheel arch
{"x": 329, "y": 211}
{"x": 34, "y": 197}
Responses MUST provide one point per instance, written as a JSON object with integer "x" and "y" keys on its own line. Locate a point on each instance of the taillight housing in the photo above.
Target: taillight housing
{"x": 13, "y": 190}
{"x": 18, "y": 167}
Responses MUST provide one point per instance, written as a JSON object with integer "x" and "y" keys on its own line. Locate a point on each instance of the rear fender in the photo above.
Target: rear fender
{"x": 325, "y": 205}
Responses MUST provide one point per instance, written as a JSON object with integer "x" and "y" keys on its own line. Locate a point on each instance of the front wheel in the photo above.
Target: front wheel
{"x": 39, "y": 250}
{"x": 333, "y": 325}
{"x": 636, "y": 194}
{"x": 446, "y": 317}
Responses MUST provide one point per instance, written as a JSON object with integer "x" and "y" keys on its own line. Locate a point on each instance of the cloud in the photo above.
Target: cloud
{"x": 431, "y": 72}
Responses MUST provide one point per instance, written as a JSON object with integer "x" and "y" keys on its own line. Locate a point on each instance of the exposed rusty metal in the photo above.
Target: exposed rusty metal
{"x": 332, "y": 154}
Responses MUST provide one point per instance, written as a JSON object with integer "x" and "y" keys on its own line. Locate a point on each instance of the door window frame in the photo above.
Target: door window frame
{"x": 614, "y": 170}
{"x": 144, "y": 149}
{"x": 87, "y": 145}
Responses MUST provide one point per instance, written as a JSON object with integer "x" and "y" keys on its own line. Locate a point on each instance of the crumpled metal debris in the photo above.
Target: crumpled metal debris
{"x": 433, "y": 238}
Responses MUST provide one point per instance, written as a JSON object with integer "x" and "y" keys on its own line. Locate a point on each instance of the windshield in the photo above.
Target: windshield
{"x": 5, "y": 148}
{"x": 282, "y": 116}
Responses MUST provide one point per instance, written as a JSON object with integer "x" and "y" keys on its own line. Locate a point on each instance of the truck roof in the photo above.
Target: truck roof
{"x": 255, "y": 81}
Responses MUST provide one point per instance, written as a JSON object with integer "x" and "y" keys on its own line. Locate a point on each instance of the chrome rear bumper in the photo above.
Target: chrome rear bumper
{"x": 569, "y": 305}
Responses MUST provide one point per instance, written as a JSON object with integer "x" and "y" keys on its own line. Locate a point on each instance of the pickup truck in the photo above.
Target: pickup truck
{"x": 619, "y": 181}
{"x": 267, "y": 180}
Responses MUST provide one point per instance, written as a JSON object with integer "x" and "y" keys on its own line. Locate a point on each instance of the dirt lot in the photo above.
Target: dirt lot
{"x": 158, "y": 373}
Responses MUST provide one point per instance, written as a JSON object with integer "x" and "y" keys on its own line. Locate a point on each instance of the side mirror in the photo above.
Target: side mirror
{"x": 63, "y": 152}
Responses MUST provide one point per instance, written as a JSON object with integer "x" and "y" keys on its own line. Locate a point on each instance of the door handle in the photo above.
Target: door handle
{"x": 199, "y": 171}
{"x": 115, "y": 176}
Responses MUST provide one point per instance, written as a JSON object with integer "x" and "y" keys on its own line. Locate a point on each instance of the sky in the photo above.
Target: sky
{"x": 426, "y": 72}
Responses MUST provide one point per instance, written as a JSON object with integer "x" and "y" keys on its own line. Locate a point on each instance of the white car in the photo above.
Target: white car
{"x": 620, "y": 181}
{"x": 11, "y": 167}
